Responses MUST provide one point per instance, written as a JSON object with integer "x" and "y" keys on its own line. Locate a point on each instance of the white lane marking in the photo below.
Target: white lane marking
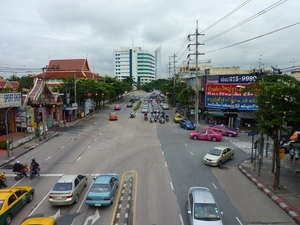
{"x": 104, "y": 129}
{"x": 238, "y": 220}
{"x": 56, "y": 215}
{"x": 48, "y": 158}
{"x": 162, "y": 153}
{"x": 181, "y": 220}
{"x": 171, "y": 185}
{"x": 94, "y": 217}
{"x": 192, "y": 153}
{"x": 186, "y": 145}
{"x": 88, "y": 147}
{"x": 95, "y": 139}
{"x": 214, "y": 186}
{"x": 62, "y": 147}
{"x": 78, "y": 158}
{"x": 46, "y": 196}
{"x": 42, "y": 175}
{"x": 166, "y": 164}
{"x": 100, "y": 133}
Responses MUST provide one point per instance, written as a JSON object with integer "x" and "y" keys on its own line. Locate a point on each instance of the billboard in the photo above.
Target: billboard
{"x": 224, "y": 91}
{"x": 10, "y": 99}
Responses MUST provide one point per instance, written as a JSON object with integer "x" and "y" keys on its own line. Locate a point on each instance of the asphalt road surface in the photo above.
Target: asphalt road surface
{"x": 165, "y": 164}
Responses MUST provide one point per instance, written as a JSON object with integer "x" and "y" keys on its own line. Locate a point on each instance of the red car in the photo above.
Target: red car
{"x": 224, "y": 130}
{"x": 206, "y": 134}
{"x": 117, "y": 107}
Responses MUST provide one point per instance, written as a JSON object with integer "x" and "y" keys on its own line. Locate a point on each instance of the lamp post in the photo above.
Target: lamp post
{"x": 6, "y": 129}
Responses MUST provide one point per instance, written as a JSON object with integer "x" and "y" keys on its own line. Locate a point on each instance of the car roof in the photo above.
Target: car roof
{"x": 39, "y": 220}
{"x": 67, "y": 178}
{"x": 221, "y": 147}
{"x": 103, "y": 178}
{"x": 202, "y": 195}
{"x": 6, "y": 192}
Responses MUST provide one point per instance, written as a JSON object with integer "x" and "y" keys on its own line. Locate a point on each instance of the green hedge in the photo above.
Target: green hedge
{"x": 138, "y": 105}
{"x": 3, "y": 144}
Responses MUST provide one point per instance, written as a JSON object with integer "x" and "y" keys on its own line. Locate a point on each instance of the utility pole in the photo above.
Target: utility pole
{"x": 75, "y": 94}
{"x": 44, "y": 104}
{"x": 197, "y": 69}
{"x": 174, "y": 75}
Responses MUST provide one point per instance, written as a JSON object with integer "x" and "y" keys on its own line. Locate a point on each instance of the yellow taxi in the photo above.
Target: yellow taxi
{"x": 113, "y": 116}
{"x": 12, "y": 200}
{"x": 39, "y": 221}
{"x": 177, "y": 118}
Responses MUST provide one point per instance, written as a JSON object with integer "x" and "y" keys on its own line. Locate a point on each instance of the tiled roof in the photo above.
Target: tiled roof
{"x": 14, "y": 84}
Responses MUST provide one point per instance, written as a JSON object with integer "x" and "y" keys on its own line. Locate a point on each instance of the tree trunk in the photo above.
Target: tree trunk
{"x": 277, "y": 164}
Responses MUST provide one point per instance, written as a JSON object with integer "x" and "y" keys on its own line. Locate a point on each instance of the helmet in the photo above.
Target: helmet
{"x": 33, "y": 160}
{"x": 18, "y": 161}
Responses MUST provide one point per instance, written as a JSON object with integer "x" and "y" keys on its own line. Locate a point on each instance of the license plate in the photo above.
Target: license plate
{"x": 59, "y": 198}
{"x": 97, "y": 204}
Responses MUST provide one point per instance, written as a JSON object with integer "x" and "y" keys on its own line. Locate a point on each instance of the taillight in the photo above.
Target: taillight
{"x": 69, "y": 196}
{"x": 106, "y": 198}
{"x": 88, "y": 198}
{"x": 50, "y": 196}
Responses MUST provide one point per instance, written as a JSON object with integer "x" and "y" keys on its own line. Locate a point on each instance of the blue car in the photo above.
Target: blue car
{"x": 187, "y": 124}
{"x": 103, "y": 190}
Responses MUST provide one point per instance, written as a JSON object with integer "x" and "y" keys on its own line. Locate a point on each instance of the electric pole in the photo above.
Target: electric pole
{"x": 197, "y": 69}
{"x": 174, "y": 75}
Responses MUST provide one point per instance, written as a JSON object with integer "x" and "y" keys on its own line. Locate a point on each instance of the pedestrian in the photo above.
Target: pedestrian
{"x": 292, "y": 153}
{"x": 297, "y": 155}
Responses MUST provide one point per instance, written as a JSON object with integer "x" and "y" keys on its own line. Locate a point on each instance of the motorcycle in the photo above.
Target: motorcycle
{"x": 167, "y": 118}
{"x": 161, "y": 120}
{"x": 3, "y": 184}
{"x": 151, "y": 119}
{"x": 21, "y": 174}
{"x": 131, "y": 115}
{"x": 33, "y": 173}
{"x": 145, "y": 117}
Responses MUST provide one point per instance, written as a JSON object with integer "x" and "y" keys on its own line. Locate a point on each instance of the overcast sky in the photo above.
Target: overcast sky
{"x": 34, "y": 31}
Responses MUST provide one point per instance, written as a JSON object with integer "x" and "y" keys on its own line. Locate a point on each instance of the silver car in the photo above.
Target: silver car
{"x": 202, "y": 207}
{"x": 67, "y": 190}
{"x": 165, "y": 106}
{"x": 218, "y": 155}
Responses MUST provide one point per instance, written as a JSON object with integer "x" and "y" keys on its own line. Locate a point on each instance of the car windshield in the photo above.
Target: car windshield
{"x": 1, "y": 203}
{"x": 207, "y": 212}
{"x": 62, "y": 187}
{"x": 215, "y": 151}
{"x": 188, "y": 122}
{"x": 99, "y": 188}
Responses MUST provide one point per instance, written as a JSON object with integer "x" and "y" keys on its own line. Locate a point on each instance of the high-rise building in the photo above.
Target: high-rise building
{"x": 157, "y": 63}
{"x": 135, "y": 63}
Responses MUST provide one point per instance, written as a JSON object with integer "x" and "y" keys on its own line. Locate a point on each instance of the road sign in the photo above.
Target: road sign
{"x": 252, "y": 133}
{"x": 197, "y": 110}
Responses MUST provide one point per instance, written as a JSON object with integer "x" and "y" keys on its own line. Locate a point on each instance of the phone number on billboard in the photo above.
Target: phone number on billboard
{"x": 237, "y": 79}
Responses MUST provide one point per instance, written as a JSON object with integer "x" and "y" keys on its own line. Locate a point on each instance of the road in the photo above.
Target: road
{"x": 163, "y": 162}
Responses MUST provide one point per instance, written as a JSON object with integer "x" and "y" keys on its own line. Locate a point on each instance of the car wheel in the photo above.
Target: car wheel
{"x": 195, "y": 138}
{"x": 76, "y": 199}
{"x": 230, "y": 135}
{"x": 220, "y": 163}
{"x": 30, "y": 197}
{"x": 231, "y": 157}
{"x": 8, "y": 220}
{"x": 214, "y": 139}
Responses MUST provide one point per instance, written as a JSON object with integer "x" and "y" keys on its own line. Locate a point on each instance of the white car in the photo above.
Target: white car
{"x": 165, "y": 106}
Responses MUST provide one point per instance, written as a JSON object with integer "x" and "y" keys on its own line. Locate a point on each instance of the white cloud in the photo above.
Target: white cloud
{"x": 32, "y": 32}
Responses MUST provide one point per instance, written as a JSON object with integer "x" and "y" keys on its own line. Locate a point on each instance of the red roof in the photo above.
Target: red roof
{"x": 14, "y": 85}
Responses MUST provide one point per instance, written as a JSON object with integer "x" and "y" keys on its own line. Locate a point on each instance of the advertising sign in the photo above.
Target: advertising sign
{"x": 224, "y": 91}
{"x": 10, "y": 99}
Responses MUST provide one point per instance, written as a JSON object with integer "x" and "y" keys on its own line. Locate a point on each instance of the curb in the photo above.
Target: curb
{"x": 29, "y": 149}
{"x": 270, "y": 194}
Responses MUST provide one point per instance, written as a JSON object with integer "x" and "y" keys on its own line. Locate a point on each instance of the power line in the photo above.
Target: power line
{"x": 247, "y": 20}
{"x": 227, "y": 15}
{"x": 251, "y": 39}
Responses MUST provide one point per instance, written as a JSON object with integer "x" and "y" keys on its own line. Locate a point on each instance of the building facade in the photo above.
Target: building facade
{"x": 134, "y": 63}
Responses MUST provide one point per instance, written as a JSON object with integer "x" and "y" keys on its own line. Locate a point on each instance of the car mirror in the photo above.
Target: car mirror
{"x": 189, "y": 212}
{"x": 94, "y": 178}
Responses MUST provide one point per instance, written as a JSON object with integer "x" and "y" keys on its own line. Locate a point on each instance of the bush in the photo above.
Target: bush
{"x": 137, "y": 106}
{"x": 3, "y": 144}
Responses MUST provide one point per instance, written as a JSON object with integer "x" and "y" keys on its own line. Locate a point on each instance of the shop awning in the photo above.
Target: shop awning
{"x": 214, "y": 113}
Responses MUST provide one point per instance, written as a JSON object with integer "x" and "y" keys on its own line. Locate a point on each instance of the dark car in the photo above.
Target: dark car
{"x": 187, "y": 124}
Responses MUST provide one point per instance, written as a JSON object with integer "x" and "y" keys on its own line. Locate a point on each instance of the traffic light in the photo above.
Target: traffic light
{"x": 40, "y": 105}
{"x": 102, "y": 94}
{"x": 53, "y": 106}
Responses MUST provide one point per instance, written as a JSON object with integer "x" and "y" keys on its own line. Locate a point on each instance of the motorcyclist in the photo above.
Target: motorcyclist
{"x": 18, "y": 167}
{"x": 131, "y": 114}
{"x": 2, "y": 184}
{"x": 34, "y": 166}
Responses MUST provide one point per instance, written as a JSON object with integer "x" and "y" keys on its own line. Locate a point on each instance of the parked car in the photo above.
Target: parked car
{"x": 218, "y": 155}
{"x": 165, "y": 106}
{"x": 12, "y": 200}
{"x": 202, "y": 207}
{"x": 67, "y": 189}
{"x": 113, "y": 116}
{"x": 177, "y": 118}
{"x": 206, "y": 134}
{"x": 225, "y": 130}
{"x": 103, "y": 190}
{"x": 289, "y": 145}
{"x": 117, "y": 107}
{"x": 187, "y": 124}
{"x": 39, "y": 221}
